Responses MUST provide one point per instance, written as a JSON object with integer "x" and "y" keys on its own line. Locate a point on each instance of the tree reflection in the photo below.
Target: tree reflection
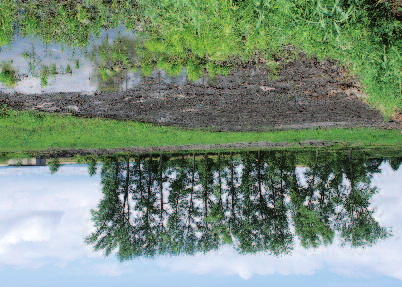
{"x": 160, "y": 204}
{"x": 114, "y": 62}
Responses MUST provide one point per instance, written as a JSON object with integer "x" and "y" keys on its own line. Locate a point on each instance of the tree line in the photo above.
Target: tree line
{"x": 162, "y": 205}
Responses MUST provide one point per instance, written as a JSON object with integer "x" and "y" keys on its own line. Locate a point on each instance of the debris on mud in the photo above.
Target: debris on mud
{"x": 306, "y": 94}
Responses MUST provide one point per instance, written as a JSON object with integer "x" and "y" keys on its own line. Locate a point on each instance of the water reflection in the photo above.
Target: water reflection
{"x": 257, "y": 201}
{"x": 37, "y": 198}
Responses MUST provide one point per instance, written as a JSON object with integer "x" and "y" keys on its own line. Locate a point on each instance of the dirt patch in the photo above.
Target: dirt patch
{"x": 306, "y": 94}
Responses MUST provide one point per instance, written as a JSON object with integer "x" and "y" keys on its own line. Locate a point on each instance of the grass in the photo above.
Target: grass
{"x": 7, "y": 74}
{"x": 29, "y": 131}
{"x": 363, "y": 38}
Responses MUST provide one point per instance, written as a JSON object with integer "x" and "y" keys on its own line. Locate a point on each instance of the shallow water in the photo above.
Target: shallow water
{"x": 83, "y": 79}
{"x": 46, "y": 217}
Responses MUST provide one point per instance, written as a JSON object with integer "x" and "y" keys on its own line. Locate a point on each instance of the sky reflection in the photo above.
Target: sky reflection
{"x": 42, "y": 228}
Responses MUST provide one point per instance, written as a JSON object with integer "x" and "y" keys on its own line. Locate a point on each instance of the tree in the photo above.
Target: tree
{"x": 109, "y": 216}
{"x": 205, "y": 203}
{"x": 54, "y": 165}
{"x": 279, "y": 181}
{"x": 361, "y": 228}
{"x": 395, "y": 163}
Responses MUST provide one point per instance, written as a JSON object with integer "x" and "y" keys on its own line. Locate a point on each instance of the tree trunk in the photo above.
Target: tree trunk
{"x": 127, "y": 184}
{"x": 161, "y": 188}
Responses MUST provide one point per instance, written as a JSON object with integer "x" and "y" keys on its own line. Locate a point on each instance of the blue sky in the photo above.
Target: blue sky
{"x": 43, "y": 219}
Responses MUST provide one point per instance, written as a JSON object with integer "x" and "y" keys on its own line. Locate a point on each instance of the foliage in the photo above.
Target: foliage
{"x": 91, "y": 161}
{"x": 114, "y": 61}
{"x": 7, "y": 10}
{"x": 7, "y": 75}
{"x": 250, "y": 211}
{"x": 43, "y": 76}
{"x": 53, "y": 70}
{"x": 68, "y": 69}
{"x": 72, "y": 22}
{"x": 395, "y": 163}
{"x": 54, "y": 165}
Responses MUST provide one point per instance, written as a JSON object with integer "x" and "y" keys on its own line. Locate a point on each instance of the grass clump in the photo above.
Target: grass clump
{"x": 4, "y": 111}
{"x": 68, "y": 69}
{"x": 7, "y": 75}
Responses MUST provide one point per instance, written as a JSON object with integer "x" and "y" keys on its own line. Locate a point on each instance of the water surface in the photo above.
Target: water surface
{"x": 46, "y": 217}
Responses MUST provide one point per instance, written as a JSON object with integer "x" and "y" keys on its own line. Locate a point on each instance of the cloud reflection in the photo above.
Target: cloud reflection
{"x": 47, "y": 225}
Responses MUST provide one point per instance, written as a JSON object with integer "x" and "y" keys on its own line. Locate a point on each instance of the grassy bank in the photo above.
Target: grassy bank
{"x": 27, "y": 131}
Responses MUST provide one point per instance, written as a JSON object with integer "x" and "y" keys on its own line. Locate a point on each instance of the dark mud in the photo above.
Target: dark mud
{"x": 199, "y": 148}
{"x": 306, "y": 94}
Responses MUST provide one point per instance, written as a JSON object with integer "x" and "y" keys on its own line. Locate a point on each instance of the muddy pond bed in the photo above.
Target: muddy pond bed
{"x": 306, "y": 93}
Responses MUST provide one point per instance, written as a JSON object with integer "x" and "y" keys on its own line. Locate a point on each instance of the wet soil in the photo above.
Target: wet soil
{"x": 306, "y": 94}
{"x": 198, "y": 148}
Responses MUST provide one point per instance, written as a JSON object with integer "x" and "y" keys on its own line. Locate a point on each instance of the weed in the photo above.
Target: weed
{"x": 53, "y": 70}
{"x": 274, "y": 68}
{"x": 7, "y": 75}
{"x": 68, "y": 69}
{"x": 4, "y": 111}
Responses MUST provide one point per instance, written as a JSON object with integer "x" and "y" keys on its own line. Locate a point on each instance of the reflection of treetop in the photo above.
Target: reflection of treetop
{"x": 155, "y": 205}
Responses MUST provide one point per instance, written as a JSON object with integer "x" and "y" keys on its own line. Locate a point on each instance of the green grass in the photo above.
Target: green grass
{"x": 367, "y": 41}
{"x": 7, "y": 74}
{"x": 28, "y": 131}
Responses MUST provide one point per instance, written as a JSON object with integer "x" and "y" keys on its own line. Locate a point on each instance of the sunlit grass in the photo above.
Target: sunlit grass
{"x": 366, "y": 49}
{"x": 27, "y": 131}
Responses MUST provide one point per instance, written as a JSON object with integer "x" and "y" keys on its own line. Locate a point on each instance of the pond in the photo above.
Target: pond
{"x": 242, "y": 218}
{"x": 196, "y": 143}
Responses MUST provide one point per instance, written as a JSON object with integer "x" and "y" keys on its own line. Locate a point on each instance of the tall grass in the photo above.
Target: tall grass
{"x": 363, "y": 38}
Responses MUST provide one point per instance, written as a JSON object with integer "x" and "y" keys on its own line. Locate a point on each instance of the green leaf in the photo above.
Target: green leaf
{"x": 337, "y": 28}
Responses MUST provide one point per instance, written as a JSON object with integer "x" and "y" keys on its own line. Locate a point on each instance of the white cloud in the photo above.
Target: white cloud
{"x": 31, "y": 227}
{"x": 45, "y": 217}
